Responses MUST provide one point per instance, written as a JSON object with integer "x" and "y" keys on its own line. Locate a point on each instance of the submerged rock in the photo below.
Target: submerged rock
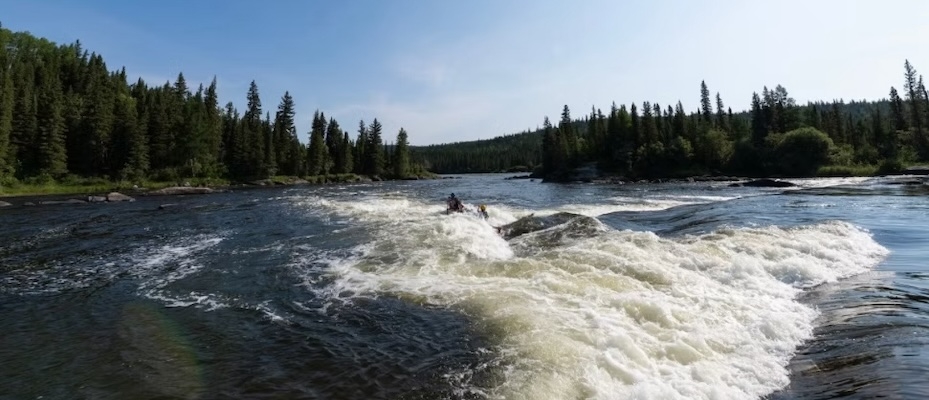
{"x": 532, "y": 223}
{"x": 764, "y": 183}
{"x": 68, "y": 201}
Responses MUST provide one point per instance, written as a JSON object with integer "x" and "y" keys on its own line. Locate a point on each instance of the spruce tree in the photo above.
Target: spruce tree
{"x": 333, "y": 143}
{"x": 316, "y": 152}
{"x": 347, "y": 155}
{"x": 286, "y": 134}
{"x": 722, "y": 122}
{"x": 252, "y": 143}
{"x": 6, "y": 108}
{"x": 361, "y": 148}
{"x": 897, "y": 112}
{"x": 213, "y": 130}
{"x": 705, "y": 104}
{"x": 374, "y": 152}
{"x": 401, "y": 158}
{"x": 52, "y": 159}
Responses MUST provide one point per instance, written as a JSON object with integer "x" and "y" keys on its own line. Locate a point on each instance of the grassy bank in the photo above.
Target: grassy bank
{"x": 86, "y": 186}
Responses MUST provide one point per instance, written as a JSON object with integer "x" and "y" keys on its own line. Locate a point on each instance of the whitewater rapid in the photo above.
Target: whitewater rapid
{"x": 607, "y": 314}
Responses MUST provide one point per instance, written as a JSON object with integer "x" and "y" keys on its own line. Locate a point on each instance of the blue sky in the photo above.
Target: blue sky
{"x": 455, "y": 71}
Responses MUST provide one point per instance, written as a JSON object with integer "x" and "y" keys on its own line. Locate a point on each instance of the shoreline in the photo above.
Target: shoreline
{"x": 102, "y": 193}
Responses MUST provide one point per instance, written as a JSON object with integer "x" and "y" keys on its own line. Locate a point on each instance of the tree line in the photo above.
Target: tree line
{"x": 775, "y": 137}
{"x": 63, "y": 114}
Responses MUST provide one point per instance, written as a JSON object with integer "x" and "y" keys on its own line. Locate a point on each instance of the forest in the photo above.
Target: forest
{"x": 776, "y": 137}
{"x": 64, "y": 116}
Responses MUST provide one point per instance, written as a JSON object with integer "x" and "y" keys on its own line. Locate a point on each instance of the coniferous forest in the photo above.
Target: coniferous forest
{"x": 776, "y": 137}
{"x": 64, "y": 115}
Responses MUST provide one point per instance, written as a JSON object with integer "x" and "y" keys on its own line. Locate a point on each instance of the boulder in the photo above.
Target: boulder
{"x": 96, "y": 199}
{"x": 116, "y": 196}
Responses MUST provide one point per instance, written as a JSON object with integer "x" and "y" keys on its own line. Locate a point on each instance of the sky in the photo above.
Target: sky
{"x": 458, "y": 71}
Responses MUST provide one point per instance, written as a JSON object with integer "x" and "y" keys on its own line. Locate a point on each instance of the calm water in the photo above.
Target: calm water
{"x": 672, "y": 291}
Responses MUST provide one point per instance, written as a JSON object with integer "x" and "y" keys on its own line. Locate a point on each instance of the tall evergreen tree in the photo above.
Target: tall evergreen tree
{"x": 361, "y": 148}
{"x": 722, "y": 120}
{"x": 6, "y": 107}
{"x": 286, "y": 135}
{"x": 333, "y": 143}
{"x": 347, "y": 155}
{"x": 897, "y": 112}
{"x": 213, "y": 130}
{"x": 374, "y": 152}
{"x": 401, "y": 158}
{"x": 50, "y": 121}
{"x": 317, "y": 154}
{"x": 705, "y": 105}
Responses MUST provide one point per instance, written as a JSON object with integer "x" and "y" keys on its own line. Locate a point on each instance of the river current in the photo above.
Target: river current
{"x": 369, "y": 291}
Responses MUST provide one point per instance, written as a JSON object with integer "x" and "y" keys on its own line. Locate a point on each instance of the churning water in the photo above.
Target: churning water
{"x": 651, "y": 291}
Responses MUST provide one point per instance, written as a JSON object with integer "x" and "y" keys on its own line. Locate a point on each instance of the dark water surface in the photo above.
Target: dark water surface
{"x": 368, "y": 291}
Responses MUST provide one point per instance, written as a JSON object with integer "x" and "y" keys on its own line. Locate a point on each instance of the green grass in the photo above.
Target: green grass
{"x": 846, "y": 170}
{"x": 86, "y": 186}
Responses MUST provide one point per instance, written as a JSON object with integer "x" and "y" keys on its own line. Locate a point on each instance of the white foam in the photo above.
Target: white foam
{"x": 618, "y": 315}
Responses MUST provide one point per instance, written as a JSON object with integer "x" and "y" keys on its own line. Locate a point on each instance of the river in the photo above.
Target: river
{"x": 369, "y": 291}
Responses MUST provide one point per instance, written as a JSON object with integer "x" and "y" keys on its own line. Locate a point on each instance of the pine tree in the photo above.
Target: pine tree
{"x": 705, "y": 104}
{"x": 52, "y": 159}
{"x": 401, "y": 158}
{"x": 214, "y": 130}
{"x": 317, "y": 152}
{"x": 347, "y": 155}
{"x": 333, "y": 143}
{"x": 759, "y": 123}
{"x": 269, "y": 161}
{"x": 6, "y": 108}
{"x": 374, "y": 153}
{"x": 722, "y": 122}
{"x": 361, "y": 148}
{"x": 252, "y": 143}
{"x": 914, "y": 98}
{"x": 25, "y": 126}
{"x": 897, "y": 112}
{"x": 286, "y": 134}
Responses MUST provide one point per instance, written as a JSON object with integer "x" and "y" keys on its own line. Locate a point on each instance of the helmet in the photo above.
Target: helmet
{"x": 453, "y": 195}
{"x": 483, "y": 207}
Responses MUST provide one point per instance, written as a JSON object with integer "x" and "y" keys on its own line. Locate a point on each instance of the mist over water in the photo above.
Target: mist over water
{"x": 371, "y": 291}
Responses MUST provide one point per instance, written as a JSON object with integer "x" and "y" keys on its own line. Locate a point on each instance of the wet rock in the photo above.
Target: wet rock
{"x": 764, "y": 183}
{"x": 96, "y": 199}
{"x": 68, "y": 201}
{"x": 4, "y": 204}
{"x": 116, "y": 196}
{"x": 917, "y": 170}
{"x": 176, "y": 190}
{"x": 164, "y": 206}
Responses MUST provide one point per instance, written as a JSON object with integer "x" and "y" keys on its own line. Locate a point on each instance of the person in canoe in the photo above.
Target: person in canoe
{"x": 482, "y": 211}
{"x": 454, "y": 204}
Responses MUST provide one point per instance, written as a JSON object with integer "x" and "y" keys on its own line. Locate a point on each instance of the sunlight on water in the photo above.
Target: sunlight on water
{"x": 606, "y": 314}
